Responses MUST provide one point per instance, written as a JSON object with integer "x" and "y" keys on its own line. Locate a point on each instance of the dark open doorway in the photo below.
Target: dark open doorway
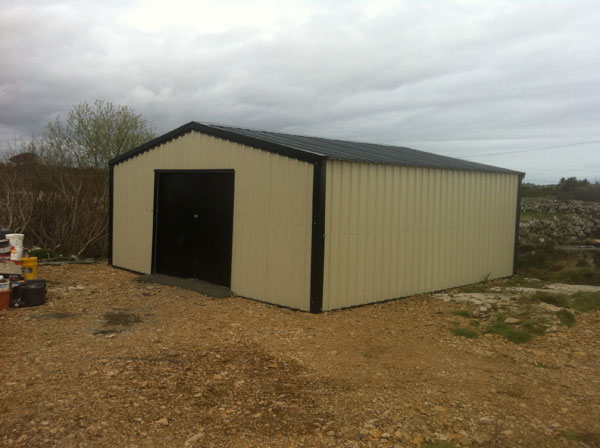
{"x": 193, "y": 224}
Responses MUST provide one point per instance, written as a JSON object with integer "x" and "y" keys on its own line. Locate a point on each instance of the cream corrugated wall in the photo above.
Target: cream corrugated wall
{"x": 272, "y": 214}
{"x": 394, "y": 231}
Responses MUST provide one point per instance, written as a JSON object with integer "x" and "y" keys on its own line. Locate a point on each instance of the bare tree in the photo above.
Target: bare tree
{"x": 17, "y": 205}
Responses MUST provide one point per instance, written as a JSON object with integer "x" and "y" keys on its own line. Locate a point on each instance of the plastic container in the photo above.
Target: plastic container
{"x": 4, "y": 246}
{"x": 16, "y": 239}
{"x": 16, "y": 253}
{"x": 4, "y": 285}
{"x": 30, "y": 268}
{"x": 33, "y": 293}
{"x": 4, "y": 300}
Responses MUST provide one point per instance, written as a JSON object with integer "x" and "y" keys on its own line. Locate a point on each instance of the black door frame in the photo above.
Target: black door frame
{"x": 157, "y": 174}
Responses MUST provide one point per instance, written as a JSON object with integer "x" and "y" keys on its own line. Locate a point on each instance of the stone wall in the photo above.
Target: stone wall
{"x": 550, "y": 221}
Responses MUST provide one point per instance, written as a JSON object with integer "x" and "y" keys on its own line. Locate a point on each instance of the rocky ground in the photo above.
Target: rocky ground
{"x": 517, "y": 304}
{"x": 113, "y": 362}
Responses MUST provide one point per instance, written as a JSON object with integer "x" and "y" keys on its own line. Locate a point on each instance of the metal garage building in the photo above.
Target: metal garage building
{"x": 309, "y": 223}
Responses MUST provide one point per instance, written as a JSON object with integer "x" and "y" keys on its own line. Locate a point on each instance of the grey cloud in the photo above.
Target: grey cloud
{"x": 451, "y": 77}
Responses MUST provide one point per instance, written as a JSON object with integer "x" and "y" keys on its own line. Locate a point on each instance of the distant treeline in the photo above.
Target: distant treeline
{"x": 566, "y": 189}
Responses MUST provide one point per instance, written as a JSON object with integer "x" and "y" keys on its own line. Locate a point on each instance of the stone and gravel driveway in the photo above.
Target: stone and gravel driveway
{"x": 113, "y": 362}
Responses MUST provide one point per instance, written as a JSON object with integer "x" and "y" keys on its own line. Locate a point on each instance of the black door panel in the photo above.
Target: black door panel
{"x": 195, "y": 225}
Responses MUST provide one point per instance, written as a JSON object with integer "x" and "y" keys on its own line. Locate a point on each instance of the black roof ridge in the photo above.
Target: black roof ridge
{"x": 301, "y": 149}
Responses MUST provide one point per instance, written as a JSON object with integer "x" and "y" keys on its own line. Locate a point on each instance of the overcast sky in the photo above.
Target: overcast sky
{"x": 459, "y": 78}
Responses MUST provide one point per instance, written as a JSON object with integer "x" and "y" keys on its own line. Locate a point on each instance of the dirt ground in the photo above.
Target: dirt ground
{"x": 110, "y": 362}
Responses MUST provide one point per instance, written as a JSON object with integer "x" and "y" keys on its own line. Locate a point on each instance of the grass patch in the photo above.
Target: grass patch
{"x": 560, "y": 300}
{"x": 566, "y": 318}
{"x": 534, "y": 328}
{"x": 474, "y": 323}
{"x": 553, "y": 265}
{"x": 585, "y": 301}
{"x": 580, "y": 301}
{"x": 589, "y": 438}
{"x": 516, "y": 335}
{"x": 475, "y": 287}
{"x": 465, "y": 333}
{"x": 439, "y": 445}
{"x": 570, "y": 434}
{"x": 462, "y": 313}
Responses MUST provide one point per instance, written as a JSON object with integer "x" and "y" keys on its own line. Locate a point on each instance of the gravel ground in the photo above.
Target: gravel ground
{"x": 110, "y": 362}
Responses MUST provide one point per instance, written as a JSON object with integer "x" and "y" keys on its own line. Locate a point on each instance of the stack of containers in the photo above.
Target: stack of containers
{"x": 23, "y": 289}
{"x": 4, "y": 249}
{"x": 5, "y": 284}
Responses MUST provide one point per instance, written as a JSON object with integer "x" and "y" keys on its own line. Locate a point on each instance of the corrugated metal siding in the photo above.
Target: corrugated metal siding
{"x": 395, "y": 231}
{"x": 272, "y": 214}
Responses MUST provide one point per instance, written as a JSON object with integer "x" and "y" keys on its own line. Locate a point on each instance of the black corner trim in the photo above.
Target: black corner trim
{"x": 111, "y": 189}
{"x": 154, "y": 222}
{"x": 215, "y": 131}
{"x": 518, "y": 220}
{"x": 317, "y": 264}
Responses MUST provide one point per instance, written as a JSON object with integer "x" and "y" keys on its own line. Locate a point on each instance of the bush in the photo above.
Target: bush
{"x": 44, "y": 253}
{"x": 567, "y": 189}
{"x": 538, "y": 191}
{"x": 59, "y": 208}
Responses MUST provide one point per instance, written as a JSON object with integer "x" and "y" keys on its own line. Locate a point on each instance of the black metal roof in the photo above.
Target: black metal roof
{"x": 313, "y": 149}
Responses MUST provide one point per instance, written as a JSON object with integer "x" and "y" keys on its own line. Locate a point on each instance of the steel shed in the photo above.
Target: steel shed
{"x": 309, "y": 223}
